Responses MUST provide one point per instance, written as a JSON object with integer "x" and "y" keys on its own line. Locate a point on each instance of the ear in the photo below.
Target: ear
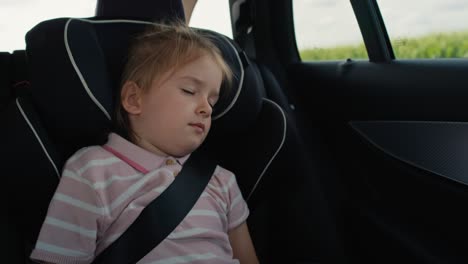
{"x": 130, "y": 97}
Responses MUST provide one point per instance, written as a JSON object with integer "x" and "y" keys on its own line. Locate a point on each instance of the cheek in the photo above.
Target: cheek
{"x": 174, "y": 101}
{"x": 160, "y": 108}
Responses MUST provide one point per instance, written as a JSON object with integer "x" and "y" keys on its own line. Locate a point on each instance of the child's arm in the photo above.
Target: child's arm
{"x": 242, "y": 245}
{"x": 237, "y": 214}
{"x": 70, "y": 228}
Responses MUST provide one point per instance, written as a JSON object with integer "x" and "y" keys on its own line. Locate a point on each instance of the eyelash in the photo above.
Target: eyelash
{"x": 192, "y": 93}
{"x": 188, "y": 91}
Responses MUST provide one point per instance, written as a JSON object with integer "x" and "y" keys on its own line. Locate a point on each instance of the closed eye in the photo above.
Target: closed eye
{"x": 187, "y": 91}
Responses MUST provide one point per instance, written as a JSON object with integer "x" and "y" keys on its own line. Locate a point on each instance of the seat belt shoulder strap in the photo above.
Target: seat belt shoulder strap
{"x": 163, "y": 214}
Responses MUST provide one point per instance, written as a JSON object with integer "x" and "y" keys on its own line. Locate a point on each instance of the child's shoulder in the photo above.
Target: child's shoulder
{"x": 224, "y": 180}
{"x": 222, "y": 171}
{"x": 223, "y": 174}
{"x": 88, "y": 154}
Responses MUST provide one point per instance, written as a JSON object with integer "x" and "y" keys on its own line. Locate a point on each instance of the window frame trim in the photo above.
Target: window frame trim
{"x": 373, "y": 30}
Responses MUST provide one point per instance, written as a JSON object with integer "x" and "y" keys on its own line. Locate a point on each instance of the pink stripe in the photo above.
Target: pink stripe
{"x": 130, "y": 162}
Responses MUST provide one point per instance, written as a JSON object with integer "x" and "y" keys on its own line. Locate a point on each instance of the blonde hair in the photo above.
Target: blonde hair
{"x": 162, "y": 48}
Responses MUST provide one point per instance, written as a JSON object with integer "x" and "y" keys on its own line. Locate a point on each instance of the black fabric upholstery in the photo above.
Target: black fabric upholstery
{"x": 274, "y": 90}
{"x": 145, "y": 10}
{"x": 11, "y": 241}
{"x": 243, "y": 129}
{"x": 245, "y": 111}
{"x": 31, "y": 177}
{"x": 5, "y": 80}
{"x": 62, "y": 101}
{"x": 20, "y": 76}
{"x": 318, "y": 236}
{"x": 13, "y": 76}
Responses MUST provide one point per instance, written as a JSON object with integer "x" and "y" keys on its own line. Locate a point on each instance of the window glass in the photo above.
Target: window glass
{"x": 213, "y": 15}
{"x": 17, "y": 17}
{"x": 327, "y": 30}
{"x": 427, "y": 28}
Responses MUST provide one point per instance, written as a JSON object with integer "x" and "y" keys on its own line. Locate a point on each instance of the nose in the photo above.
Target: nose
{"x": 204, "y": 108}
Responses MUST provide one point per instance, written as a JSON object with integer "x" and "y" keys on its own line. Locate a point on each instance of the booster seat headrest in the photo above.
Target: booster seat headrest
{"x": 75, "y": 68}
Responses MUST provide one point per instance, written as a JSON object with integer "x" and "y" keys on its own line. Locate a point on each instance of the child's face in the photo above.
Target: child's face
{"x": 175, "y": 114}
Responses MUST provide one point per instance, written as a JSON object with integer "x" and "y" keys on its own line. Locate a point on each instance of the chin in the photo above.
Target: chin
{"x": 181, "y": 152}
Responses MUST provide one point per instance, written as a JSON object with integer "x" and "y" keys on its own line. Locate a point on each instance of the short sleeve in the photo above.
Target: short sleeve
{"x": 237, "y": 208}
{"x": 69, "y": 232}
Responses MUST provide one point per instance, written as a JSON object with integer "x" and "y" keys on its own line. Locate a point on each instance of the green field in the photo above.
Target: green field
{"x": 440, "y": 45}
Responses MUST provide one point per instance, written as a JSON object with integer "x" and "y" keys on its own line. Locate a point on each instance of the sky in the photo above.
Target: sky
{"x": 318, "y": 23}
{"x": 322, "y": 23}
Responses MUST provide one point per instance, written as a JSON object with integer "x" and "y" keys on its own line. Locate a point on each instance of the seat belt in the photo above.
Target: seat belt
{"x": 163, "y": 214}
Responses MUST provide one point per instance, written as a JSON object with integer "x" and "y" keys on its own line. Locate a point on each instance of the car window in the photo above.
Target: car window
{"x": 327, "y": 30}
{"x": 213, "y": 15}
{"x": 427, "y": 28}
{"x": 18, "y": 17}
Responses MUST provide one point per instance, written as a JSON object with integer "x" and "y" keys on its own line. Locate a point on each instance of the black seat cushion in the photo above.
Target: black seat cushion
{"x": 31, "y": 168}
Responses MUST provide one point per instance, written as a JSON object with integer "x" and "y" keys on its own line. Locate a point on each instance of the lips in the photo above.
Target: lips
{"x": 199, "y": 126}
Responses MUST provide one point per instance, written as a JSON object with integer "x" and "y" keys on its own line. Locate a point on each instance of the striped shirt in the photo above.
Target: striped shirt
{"x": 102, "y": 191}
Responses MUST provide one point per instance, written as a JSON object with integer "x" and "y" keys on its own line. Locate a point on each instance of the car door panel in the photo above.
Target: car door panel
{"x": 398, "y": 133}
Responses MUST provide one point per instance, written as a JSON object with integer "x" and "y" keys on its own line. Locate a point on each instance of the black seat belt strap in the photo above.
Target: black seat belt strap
{"x": 163, "y": 214}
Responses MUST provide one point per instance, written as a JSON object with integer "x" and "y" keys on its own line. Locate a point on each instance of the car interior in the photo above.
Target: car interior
{"x": 354, "y": 161}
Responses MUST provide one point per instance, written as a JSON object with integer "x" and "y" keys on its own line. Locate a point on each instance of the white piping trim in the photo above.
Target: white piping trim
{"x": 279, "y": 148}
{"x": 91, "y": 95}
{"x": 78, "y": 72}
{"x": 37, "y": 136}
{"x": 113, "y": 21}
{"x": 72, "y": 60}
{"x": 241, "y": 81}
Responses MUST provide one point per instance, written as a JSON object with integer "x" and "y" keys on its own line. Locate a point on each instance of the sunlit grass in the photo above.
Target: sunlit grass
{"x": 437, "y": 45}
